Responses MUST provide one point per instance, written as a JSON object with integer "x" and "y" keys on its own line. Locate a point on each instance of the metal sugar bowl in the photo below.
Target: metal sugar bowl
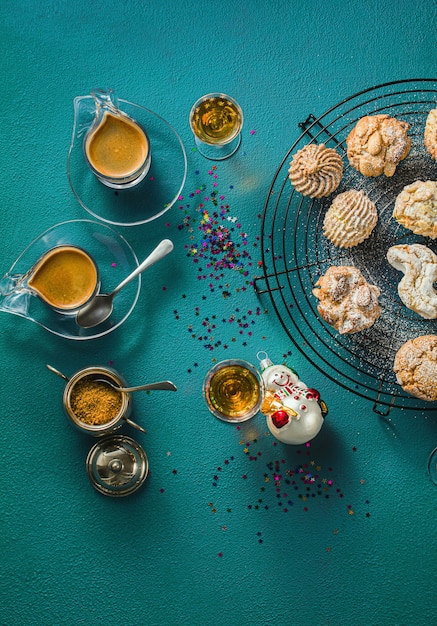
{"x": 98, "y": 403}
{"x": 94, "y": 406}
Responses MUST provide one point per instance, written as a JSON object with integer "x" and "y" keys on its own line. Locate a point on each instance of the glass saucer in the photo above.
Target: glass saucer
{"x": 151, "y": 198}
{"x": 432, "y": 466}
{"x": 114, "y": 257}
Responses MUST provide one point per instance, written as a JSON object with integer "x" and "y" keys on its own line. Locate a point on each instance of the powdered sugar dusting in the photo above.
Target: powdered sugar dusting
{"x": 298, "y": 254}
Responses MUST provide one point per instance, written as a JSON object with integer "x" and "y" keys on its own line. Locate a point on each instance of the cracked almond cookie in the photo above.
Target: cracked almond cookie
{"x": 346, "y": 300}
{"x": 430, "y": 135}
{"x": 377, "y": 144}
{"x": 415, "y": 366}
{"x": 416, "y": 208}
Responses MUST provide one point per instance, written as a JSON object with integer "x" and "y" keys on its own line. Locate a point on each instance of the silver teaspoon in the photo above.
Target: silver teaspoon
{"x": 164, "y": 385}
{"x": 100, "y": 307}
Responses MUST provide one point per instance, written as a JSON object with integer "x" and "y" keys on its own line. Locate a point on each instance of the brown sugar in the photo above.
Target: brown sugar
{"x": 94, "y": 402}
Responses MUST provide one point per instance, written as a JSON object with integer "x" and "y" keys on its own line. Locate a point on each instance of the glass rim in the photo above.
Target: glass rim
{"x": 129, "y": 178}
{"x": 432, "y": 466}
{"x": 66, "y": 310}
{"x": 217, "y": 94}
{"x": 249, "y": 367}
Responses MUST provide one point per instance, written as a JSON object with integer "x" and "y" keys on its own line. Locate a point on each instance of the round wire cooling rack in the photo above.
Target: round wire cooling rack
{"x": 295, "y": 252}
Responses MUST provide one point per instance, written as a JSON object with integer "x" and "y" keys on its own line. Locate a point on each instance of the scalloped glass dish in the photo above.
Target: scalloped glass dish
{"x": 151, "y": 198}
{"x": 114, "y": 257}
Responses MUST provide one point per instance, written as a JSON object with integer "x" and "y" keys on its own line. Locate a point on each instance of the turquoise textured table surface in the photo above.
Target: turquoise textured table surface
{"x": 231, "y": 527}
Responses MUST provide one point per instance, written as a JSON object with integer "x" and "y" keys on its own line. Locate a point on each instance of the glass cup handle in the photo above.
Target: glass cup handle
{"x": 105, "y": 99}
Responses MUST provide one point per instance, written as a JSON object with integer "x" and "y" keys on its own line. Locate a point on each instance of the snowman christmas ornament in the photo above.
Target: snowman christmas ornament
{"x": 294, "y": 413}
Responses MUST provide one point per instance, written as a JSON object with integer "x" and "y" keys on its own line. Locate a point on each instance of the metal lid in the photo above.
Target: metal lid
{"x": 117, "y": 465}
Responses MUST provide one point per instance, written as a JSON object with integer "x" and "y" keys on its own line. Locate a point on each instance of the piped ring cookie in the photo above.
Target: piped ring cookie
{"x": 350, "y": 219}
{"x": 316, "y": 170}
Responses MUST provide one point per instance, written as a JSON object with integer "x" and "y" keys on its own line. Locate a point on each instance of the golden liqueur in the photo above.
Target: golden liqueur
{"x": 216, "y": 120}
{"x": 233, "y": 392}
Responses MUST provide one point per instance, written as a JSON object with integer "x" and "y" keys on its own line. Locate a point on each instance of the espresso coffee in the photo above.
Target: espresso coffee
{"x": 118, "y": 148}
{"x": 65, "y": 278}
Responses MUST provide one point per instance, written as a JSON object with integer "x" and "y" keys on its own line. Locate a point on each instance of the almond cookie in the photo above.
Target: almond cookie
{"x": 419, "y": 264}
{"x": 416, "y": 208}
{"x": 347, "y": 301}
{"x": 316, "y": 170}
{"x": 350, "y": 219}
{"x": 377, "y": 144}
{"x": 430, "y": 135}
{"x": 415, "y": 367}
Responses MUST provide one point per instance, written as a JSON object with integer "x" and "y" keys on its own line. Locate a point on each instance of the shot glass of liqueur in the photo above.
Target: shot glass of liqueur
{"x": 216, "y": 121}
{"x": 233, "y": 390}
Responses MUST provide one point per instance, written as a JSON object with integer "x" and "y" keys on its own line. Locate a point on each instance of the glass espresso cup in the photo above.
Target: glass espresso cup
{"x": 116, "y": 147}
{"x": 216, "y": 121}
{"x": 233, "y": 390}
{"x": 66, "y": 277}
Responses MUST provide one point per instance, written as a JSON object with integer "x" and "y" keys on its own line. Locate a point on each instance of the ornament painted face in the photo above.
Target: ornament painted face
{"x": 279, "y": 376}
